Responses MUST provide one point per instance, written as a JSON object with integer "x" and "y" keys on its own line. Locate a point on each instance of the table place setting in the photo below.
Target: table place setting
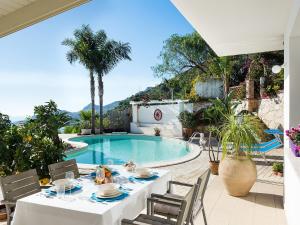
{"x": 95, "y": 197}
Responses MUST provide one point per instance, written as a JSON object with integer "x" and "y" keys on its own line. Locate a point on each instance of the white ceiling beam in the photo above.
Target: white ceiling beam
{"x": 34, "y": 13}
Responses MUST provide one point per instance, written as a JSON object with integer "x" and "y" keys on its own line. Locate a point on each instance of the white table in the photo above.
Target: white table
{"x": 79, "y": 210}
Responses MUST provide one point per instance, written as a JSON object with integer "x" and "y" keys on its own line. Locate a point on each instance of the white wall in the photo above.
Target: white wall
{"x": 170, "y": 112}
{"x": 292, "y": 113}
{"x": 211, "y": 88}
{"x": 144, "y": 121}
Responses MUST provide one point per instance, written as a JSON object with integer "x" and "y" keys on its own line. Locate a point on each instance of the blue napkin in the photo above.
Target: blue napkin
{"x": 118, "y": 198}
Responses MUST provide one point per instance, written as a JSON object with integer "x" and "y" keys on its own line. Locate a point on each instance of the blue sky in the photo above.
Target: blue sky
{"x": 33, "y": 67}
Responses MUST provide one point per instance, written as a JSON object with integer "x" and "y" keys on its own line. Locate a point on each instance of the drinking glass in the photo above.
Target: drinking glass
{"x": 70, "y": 177}
{"x": 60, "y": 190}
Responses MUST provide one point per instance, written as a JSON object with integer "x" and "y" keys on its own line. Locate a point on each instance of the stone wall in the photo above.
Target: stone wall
{"x": 270, "y": 110}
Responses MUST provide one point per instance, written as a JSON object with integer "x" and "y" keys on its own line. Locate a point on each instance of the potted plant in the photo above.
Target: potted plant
{"x": 86, "y": 128}
{"x": 213, "y": 154}
{"x": 188, "y": 121}
{"x": 237, "y": 170}
{"x": 294, "y": 136}
{"x": 156, "y": 131}
{"x": 278, "y": 169}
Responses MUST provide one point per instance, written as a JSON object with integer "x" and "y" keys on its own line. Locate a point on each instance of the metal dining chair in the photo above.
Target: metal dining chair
{"x": 150, "y": 219}
{"x": 196, "y": 206}
{"x": 18, "y": 186}
{"x": 58, "y": 170}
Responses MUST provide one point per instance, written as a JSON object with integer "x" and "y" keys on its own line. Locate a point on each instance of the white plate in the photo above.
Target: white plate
{"x": 86, "y": 171}
{"x": 53, "y": 188}
{"x": 143, "y": 176}
{"x": 116, "y": 194}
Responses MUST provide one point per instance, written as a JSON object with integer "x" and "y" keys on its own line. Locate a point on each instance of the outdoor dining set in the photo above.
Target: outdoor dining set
{"x": 75, "y": 198}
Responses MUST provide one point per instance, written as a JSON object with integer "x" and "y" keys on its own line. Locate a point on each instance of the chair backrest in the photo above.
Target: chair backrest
{"x": 20, "y": 185}
{"x": 186, "y": 205}
{"x": 58, "y": 170}
{"x": 201, "y": 191}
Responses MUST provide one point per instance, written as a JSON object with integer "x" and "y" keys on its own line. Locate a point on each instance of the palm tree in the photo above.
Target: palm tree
{"x": 83, "y": 49}
{"x": 109, "y": 53}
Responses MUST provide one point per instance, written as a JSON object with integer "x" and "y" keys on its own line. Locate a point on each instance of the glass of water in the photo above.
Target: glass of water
{"x": 70, "y": 177}
{"x": 60, "y": 190}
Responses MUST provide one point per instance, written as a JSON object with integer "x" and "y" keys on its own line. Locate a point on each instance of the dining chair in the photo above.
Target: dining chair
{"x": 196, "y": 206}
{"x": 18, "y": 186}
{"x": 58, "y": 170}
{"x": 150, "y": 219}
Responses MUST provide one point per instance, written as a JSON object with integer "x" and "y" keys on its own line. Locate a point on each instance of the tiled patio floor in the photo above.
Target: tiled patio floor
{"x": 263, "y": 206}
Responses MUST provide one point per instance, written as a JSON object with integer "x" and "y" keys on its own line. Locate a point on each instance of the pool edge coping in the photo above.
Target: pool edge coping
{"x": 194, "y": 150}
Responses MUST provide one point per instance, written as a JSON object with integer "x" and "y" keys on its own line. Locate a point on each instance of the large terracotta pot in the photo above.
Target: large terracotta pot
{"x": 238, "y": 175}
{"x": 187, "y": 133}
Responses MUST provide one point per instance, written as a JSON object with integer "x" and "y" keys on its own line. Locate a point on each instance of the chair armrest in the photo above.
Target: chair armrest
{"x": 8, "y": 203}
{"x": 162, "y": 197}
{"x": 171, "y": 182}
{"x": 128, "y": 222}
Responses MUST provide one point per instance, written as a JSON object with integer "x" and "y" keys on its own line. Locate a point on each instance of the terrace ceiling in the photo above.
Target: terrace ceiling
{"x": 233, "y": 27}
{"x": 18, "y": 14}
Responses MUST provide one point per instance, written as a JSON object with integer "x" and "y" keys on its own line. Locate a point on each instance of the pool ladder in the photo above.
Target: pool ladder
{"x": 194, "y": 135}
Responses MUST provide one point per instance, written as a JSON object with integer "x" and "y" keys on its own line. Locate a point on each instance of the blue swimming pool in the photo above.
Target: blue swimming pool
{"x": 118, "y": 149}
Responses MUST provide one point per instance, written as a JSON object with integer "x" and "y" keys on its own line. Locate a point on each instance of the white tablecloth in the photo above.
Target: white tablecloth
{"x": 78, "y": 210}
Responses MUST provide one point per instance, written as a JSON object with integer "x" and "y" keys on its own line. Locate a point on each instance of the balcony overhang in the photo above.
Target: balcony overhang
{"x": 18, "y": 14}
{"x": 234, "y": 27}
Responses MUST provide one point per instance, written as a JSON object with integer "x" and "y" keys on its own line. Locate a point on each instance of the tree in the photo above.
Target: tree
{"x": 222, "y": 67}
{"x": 83, "y": 49}
{"x": 109, "y": 53}
{"x": 182, "y": 54}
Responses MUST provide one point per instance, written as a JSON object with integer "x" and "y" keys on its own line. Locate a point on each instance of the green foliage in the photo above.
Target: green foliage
{"x": 216, "y": 113}
{"x": 73, "y": 129}
{"x": 275, "y": 83}
{"x": 239, "y": 132}
{"x": 187, "y": 119}
{"x": 183, "y": 54}
{"x": 277, "y": 167}
{"x": 106, "y": 122}
{"x": 36, "y": 144}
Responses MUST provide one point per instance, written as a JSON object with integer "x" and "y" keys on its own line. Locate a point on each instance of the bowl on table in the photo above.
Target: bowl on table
{"x": 108, "y": 190}
{"x": 65, "y": 182}
{"x": 142, "y": 172}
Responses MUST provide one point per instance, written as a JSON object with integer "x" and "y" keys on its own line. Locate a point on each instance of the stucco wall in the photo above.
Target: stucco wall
{"x": 210, "y": 88}
{"x": 170, "y": 113}
{"x": 270, "y": 111}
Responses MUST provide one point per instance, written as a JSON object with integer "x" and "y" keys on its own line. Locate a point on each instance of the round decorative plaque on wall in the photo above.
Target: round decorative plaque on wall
{"x": 157, "y": 114}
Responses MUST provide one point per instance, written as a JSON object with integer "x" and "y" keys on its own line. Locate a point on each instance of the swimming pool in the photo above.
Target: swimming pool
{"x": 118, "y": 149}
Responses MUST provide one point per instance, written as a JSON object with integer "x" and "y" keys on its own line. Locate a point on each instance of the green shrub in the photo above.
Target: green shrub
{"x": 277, "y": 167}
{"x": 187, "y": 119}
{"x": 36, "y": 144}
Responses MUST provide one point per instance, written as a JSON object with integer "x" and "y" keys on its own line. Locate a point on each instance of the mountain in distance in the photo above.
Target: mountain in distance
{"x": 106, "y": 108}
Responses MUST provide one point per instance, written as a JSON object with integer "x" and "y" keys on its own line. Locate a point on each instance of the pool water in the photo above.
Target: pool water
{"x": 123, "y": 148}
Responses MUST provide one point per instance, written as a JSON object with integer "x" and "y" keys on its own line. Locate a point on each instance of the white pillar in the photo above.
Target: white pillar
{"x": 292, "y": 113}
{"x": 135, "y": 113}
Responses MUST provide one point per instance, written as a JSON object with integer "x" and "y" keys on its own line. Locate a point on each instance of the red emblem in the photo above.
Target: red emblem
{"x": 157, "y": 114}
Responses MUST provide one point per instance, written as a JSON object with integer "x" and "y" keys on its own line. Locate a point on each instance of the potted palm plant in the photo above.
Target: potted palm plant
{"x": 188, "y": 121}
{"x": 213, "y": 154}
{"x": 237, "y": 170}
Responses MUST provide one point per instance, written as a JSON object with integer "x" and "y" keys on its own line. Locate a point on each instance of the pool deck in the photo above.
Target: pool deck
{"x": 263, "y": 206}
